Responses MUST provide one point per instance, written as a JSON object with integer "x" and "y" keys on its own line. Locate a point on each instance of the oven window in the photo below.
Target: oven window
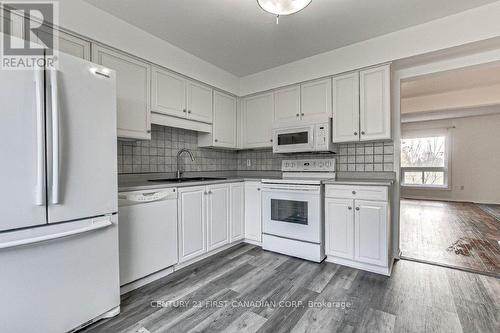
{"x": 289, "y": 211}
{"x": 293, "y": 138}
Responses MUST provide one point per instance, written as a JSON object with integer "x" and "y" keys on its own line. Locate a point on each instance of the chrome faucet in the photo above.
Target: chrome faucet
{"x": 179, "y": 153}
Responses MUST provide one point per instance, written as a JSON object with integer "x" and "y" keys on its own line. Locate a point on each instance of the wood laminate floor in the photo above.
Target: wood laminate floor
{"x": 246, "y": 289}
{"x": 464, "y": 235}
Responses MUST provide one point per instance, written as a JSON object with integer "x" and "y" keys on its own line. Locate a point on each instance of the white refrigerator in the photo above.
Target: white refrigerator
{"x": 58, "y": 222}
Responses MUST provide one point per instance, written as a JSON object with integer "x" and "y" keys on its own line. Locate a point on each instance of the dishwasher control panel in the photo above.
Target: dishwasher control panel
{"x": 148, "y": 195}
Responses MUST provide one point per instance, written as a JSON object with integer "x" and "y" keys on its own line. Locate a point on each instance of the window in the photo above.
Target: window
{"x": 424, "y": 161}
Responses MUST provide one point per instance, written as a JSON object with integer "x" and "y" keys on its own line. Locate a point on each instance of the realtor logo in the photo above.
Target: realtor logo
{"x": 29, "y": 39}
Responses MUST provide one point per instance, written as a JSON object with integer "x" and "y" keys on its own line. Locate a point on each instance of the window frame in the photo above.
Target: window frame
{"x": 446, "y": 169}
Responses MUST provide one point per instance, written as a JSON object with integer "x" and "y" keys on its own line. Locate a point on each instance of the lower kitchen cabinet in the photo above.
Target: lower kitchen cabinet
{"x": 370, "y": 232}
{"x": 237, "y": 211}
{"x": 339, "y": 228}
{"x": 253, "y": 212}
{"x": 192, "y": 222}
{"x": 357, "y": 228}
{"x": 217, "y": 197}
{"x": 210, "y": 217}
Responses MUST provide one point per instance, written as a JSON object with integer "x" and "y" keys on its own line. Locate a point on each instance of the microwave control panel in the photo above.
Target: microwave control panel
{"x": 322, "y": 137}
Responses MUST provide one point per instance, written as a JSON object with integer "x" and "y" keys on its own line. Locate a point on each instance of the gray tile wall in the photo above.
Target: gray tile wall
{"x": 159, "y": 155}
{"x": 359, "y": 157}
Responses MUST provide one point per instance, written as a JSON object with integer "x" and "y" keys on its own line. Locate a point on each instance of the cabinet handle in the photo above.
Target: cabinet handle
{"x": 353, "y": 192}
{"x": 302, "y": 114}
{"x": 258, "y": 189}
{"x": 271, "y": 140}
{"x": 357, "y": 208}
{"x": 216, "y": 140}
{"x": 298, "y": 115}
{"x": 209, "y": 192}
{"x": 362, "y": 132}
{"x": 189, "y": 111}
{"x": 350, "y": 208}
{"x": 184, "y": 110}
{"x": 355, "y": 133}
{"x": 205, "y": 193}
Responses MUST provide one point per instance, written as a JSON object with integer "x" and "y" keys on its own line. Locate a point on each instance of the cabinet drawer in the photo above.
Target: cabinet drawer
{"x": 379, "y": 193}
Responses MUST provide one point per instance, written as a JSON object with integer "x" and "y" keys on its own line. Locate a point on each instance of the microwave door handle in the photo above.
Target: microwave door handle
{"x": 40, "y": 139}
{"x": 55, "y": 137}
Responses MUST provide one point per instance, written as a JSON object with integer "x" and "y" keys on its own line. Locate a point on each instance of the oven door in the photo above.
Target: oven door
{"x": 292, "y": 211}
{"x": 293, "y": 140}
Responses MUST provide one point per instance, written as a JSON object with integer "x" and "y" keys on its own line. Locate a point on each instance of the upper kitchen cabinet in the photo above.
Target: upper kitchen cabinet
{"x": 257, "y": 116}
{"x": 199, "y": 102}
{"x": 287, "y": 104}
{"x": 316, "y": 100}
{"x": 346, "y": 108}
{"x": 223, "y": 133}
{"x": 168, "y": 93}
{"x": 176, "y": 96}
{"x": 68, "y": 44}
{"x": 375, "y": 103}
{"x": 133, "y": 78}
{"x": 361, "y": 105}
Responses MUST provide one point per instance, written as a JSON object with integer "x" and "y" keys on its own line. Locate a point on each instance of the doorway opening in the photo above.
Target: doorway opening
{"x": 450, "y": 168}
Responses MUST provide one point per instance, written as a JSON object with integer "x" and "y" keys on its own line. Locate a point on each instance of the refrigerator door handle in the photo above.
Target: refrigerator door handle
{"x": 39, "y": 239}
{"x": 40, "y": 139}
{"x": 55, "y": 137}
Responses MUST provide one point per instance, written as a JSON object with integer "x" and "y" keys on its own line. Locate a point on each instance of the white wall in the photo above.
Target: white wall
{"x": 475, "y": 160}
{"x": 469, "y": 26}
{"x": 89, "y": 21}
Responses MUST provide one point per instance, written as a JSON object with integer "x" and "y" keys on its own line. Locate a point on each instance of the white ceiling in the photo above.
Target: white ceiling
{"x": 238, "y": 36}
{"x": 455, "y": 80}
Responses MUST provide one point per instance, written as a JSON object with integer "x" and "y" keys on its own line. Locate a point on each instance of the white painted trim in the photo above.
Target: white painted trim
{"x": 450, "y": 114}
{"x": 166, "y": 120}
{"x": 145, "y": 280}
{"x": 252, "y": 242}
{"x": 204, "y": 256}
{"x": 358, "y": 265}
{"x": 427, "y": 198}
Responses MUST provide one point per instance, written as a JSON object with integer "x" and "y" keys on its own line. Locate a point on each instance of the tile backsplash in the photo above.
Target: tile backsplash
{"x": 159, "y": 155}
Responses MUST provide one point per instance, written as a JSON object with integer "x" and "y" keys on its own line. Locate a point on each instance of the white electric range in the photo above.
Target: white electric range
{"x": 292, "y": 209}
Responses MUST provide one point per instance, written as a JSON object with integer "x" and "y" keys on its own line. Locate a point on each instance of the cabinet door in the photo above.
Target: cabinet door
{"x": 16, "y": 27}
{"x": 237, "y": 211}
{"x": 287, "y": 104}
{"x": 346, "y": 108}
{"x": 192, "y": 219}
{"x": 168, "y": 94}
{"x": 257, "y": 121}
{"x": 316, "y": 100}
{"x": 199, "y": 102}
{"x": 253, "y": 211}
{"x": 339, "y": 227}
{"x": 217, "y": 216}
{"x": 132, "y": 90}
{"x": 370, "y": 232}
{"x": 68, "y": 44}
{"x": 224, "y": 126}
{"x": 375, "y": 107}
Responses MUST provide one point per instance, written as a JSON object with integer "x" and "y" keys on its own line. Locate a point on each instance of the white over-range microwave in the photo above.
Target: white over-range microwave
{"x": 315, "y": 137}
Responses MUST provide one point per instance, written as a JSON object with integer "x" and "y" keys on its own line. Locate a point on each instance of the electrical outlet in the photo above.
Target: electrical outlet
{"x": 249, "y": 162}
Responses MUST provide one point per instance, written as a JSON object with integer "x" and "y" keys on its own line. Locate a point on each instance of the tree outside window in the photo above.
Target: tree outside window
{"x": 424, "y": 161}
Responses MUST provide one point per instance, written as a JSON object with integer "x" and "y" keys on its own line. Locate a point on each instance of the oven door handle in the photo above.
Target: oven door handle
{"x": 291, "y": 189}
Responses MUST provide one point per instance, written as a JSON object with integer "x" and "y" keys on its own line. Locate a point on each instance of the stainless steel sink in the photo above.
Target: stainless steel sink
{"x": 185, "y": 179}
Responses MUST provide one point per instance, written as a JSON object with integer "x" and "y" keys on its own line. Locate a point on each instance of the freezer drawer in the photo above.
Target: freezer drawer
{"x": 57, "y": 277}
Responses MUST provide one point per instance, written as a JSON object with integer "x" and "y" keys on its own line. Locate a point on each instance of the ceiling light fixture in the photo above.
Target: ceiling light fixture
{"x": 283, "y": 7}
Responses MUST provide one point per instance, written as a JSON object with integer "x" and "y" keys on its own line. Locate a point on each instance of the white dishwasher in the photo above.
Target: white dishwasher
{"x": 147, "y": 227}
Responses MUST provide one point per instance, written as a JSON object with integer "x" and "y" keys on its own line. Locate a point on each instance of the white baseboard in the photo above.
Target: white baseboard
{"x": 253, "y": 242}
{"x": 145, "y": 280}
{"x": 206, "y": 255}
{"x": 358, "y": 265}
